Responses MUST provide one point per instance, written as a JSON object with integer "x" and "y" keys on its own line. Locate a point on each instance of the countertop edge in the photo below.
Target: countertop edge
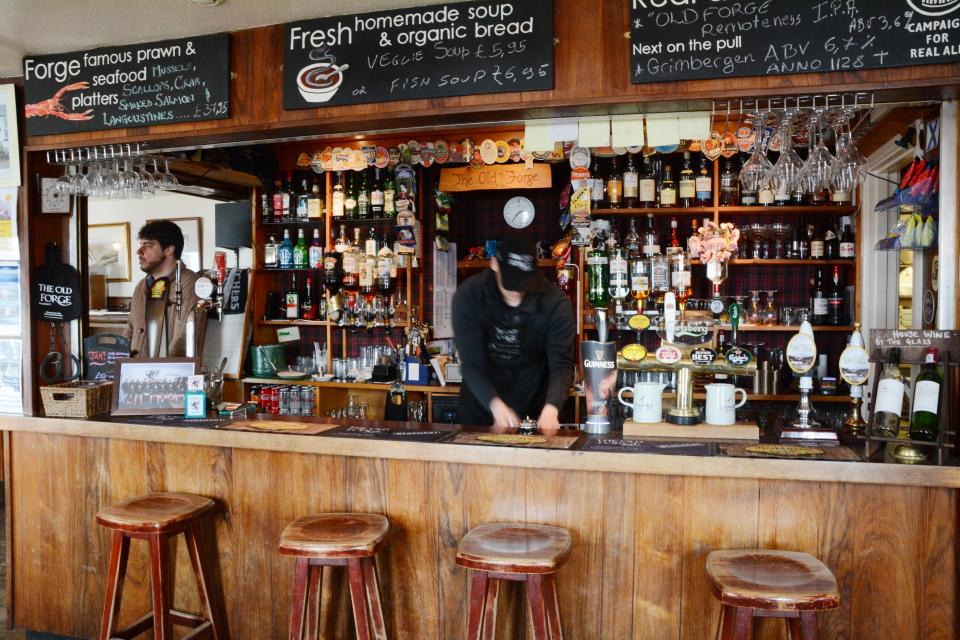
{"x": 655, "y": 464}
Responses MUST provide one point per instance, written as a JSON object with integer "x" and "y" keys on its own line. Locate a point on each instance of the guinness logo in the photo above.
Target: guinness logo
{"x": 934, "y": 8}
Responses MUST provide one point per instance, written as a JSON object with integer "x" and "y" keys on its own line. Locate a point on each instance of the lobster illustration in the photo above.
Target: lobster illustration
{"x": 52, "y": 107}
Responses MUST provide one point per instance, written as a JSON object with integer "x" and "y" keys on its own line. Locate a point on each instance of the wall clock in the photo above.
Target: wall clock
{"x": 51, "y": 200}
{"x": 518, "y": 212}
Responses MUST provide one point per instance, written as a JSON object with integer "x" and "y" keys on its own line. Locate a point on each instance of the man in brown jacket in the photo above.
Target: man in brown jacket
{"x": 160, "y": 246}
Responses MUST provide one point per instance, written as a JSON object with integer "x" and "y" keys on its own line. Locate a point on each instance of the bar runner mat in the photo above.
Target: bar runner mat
{"x": 515, "y": 440}
{"x": 280, "y": 426}
{"x": 617, "y": 445}
{"x": 382, "y": 433}
{"x": 173, "y": 421}
{"x": 793, "y": 451}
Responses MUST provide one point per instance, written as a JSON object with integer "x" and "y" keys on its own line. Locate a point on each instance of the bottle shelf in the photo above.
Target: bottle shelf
{"x": 657, "y": 211}
{"x": 483, "y": 264}
{"x": 760, "y": 210}
{"x": 287, "y": 269}
{"x": 788, "y": 328}
{"x": 775, "y": 262}
{"x": 294, "y": 323}
{"x": 287, "y": 223}
{"x": 361, "y": 220}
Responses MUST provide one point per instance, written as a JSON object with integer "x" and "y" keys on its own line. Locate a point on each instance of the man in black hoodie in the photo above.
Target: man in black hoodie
{"x": 515, "y": 332}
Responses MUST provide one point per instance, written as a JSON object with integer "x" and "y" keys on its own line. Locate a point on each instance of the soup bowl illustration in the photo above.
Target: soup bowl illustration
{"x": 319, "y": 82}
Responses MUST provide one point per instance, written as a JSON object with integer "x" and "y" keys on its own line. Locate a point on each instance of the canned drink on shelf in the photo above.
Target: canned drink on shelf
{"x": 294, "y": 399}
{"x": 306, "y": 401}
{"x": 284, "y": 404}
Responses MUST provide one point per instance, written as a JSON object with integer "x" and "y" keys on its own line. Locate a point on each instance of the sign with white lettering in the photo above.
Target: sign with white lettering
{"x": 183, "y": 80}
{"x": 422, "y": 52}
{"x": 690, "y": 39}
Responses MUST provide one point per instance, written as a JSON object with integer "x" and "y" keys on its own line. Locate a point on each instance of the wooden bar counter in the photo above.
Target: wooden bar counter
{"x": 642, "y": 526}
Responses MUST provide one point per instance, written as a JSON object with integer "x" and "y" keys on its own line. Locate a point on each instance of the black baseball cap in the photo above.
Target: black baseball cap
{"x": 517, "y": 257}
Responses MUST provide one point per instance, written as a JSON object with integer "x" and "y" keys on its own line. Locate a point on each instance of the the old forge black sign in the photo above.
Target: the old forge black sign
{"x": 139, "y": 85}
{"x": 423, "y": 52}
{"x": 689, "y": 39}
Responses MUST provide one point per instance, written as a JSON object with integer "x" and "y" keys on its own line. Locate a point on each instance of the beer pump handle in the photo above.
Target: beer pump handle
{"x": 734, "y": 323}
{"x": 178, "y": 291}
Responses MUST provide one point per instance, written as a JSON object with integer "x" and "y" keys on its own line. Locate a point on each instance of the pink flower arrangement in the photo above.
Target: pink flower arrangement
{"x": 715, "y": 241}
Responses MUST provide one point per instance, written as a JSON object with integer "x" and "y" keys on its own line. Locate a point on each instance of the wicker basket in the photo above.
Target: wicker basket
{"x": 76, "y": 399}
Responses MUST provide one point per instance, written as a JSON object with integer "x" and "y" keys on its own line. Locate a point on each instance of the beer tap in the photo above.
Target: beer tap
{"x": 220, "y": 268}
{"x": 177, "y": 292}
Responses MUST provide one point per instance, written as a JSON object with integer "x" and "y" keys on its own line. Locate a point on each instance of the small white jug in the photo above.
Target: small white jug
{"x": 721, "y": 403}
{"x": 647, "y": 402}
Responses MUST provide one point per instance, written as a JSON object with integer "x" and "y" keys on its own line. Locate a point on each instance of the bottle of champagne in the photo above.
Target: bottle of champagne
{"x": 888, "y": 404}
{"x": 925, "y": 418}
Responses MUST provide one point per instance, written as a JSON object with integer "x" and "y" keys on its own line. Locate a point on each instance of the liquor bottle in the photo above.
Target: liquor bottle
{"x": 368, "y": 275}
{"x": 350, "y": 198}
{"x": 303, "y": 200}
{"x": 270, "y": 254}
{"x": 729, "y": 196}
{"x": 315, "y": 203}
{"x": 680, "y": 277}
{"x": 315, "y": 257}
{"x": 819, "y": 196}
{"x": 363, "y": 197}
{"x": 631, "y": 182}
{"x": 614, "y": 186}
{"x": 888, "y": 404}
{"x": 831, "y": 244}
{"x": 925, "y": 419}
{"x": 794, "y": 253}
{"x": 389, "y": 196}
{"x": 816, "y": 243}
{"x": 351, "y": 280}
{"x": 619, "y": 285}
{"x": 342, "y": 243}
{"x": 687, "y": 184}
{"x": 338, "y": 197}
{"x": 748, "y": 193}
{"x": 693, "y": 252}
{"x": 651, "y": 243}
{"x": 290, "y": 199}
{"x": 819, "y": 308}
{"x": 356, "y": 244}
{"x": 668, "y": 188}
{"x": 765, "y": 195}
{"x": 632, "y": 242}
{"x": 704, "y": 185}
{"x": 285, "y": 251}
{"x": 376, "y": 195}
{"x": 371, "y": 246}
{"x": 840, "y": 197}
{"x": 647, "y": 191}
{"x": 804, "y": 241}
{"x": 332, "y": 280}
{"x": 301, "y": 256}
{"x": 674, "y": 246}
{"x": 597, "y": 185}
{"x": 598, "y": 275}
{"x": 308, "y": 310}
{"x": 266, "y": 207}
{"x": 848, "y": 248}
{"x": 396, "y": 407}
{"x": 293, "y": 299}
{"x": 836, "y": 315}
{"x": 386, "y": 274}
{"x": 277, "y": 201}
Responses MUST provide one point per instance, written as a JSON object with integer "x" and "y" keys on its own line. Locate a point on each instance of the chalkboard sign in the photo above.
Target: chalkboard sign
{"x": 100, "y": 353}
{"x": 423, "y": 52}
{"x": 913, "y": 344}
{"x": 183, "y": 80}
{"x": 685, "y": 39}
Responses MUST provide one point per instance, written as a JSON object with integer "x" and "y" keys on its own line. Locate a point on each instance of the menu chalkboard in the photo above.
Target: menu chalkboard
{"x": 684, "y": 40}
{"x": 422, "y": 52}
{"x": 181, "y": 80}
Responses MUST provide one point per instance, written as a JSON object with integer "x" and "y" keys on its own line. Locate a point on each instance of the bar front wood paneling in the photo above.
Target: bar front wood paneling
{"x": 637, "y": 568}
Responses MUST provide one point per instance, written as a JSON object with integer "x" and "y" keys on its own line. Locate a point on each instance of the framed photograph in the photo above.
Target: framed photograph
{"x": 108, "y": 248}
{"x": 192, "y": 228}
{"x": 151, "y": 386}
{"x": 9, "y": 140}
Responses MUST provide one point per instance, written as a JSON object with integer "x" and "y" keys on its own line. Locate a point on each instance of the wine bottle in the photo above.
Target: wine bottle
{"x": 293, "y": 299}
{"x": 888, "y": 404}
{"x": 819, "y": 308}
{"x": 848, "y": 248}
{"x": 925, "y": 419}
{"x": 836, "y": 315}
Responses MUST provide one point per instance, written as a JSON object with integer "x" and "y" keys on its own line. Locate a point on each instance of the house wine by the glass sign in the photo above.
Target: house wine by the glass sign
{"x": 423, "y": 52}
{"x": 182, "y": 80}
{"x": 691, "y": 39}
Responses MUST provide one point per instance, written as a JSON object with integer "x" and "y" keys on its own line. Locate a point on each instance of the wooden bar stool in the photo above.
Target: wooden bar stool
{"x": 530, "y": 553}
{"x": 156, "y": 518}
{"x": 770, "y": 584}
{"x": 348, "y": 540}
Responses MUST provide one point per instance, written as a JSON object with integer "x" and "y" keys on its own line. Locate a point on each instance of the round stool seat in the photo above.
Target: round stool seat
{"x": 772, "y": 580}
{"x": 335, "y": 535}
{"x": 514, "y": 548}
{"x": 155, "y": 512}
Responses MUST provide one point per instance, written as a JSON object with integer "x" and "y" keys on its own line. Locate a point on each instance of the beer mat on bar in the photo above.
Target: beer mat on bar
{"x": 280, "y": 426}
{"x": 217, "y": 422}
{"x": 618, "y": 445}
{"x": 793, "y": 451}
{"x": 515, "y": 440}
{"x": 383, "y": 433}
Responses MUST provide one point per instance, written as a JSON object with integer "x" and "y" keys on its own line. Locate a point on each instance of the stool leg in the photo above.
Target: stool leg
{"x": 743, "y": 624}
{"x": 160, "y": 587}
{"x": 314, "y": 589}
{"x": 301, "y": 573}
{"x": 728, "y": 619}
{"x": 478, "y": 592}
{"x": 808, "y": 626}
{"x": 119, "y": 553}
{"x": 203, "y": 582}
{"x": 554, "y": 628}
{"x": 537, "y": 606}
{"x": 372, "y": 584}
{"x": 490, "y": 610}
{"x": 793, "y": 626}
{"x": 359, "y": 599}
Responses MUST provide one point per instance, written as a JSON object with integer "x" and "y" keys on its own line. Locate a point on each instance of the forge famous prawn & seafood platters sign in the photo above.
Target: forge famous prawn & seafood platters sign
{"x": 182, "y": 80}
{"x": 439, "y": 50}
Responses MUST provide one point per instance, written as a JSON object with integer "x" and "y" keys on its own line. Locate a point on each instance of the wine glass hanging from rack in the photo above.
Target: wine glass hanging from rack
{"x": 116, "y": 171}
